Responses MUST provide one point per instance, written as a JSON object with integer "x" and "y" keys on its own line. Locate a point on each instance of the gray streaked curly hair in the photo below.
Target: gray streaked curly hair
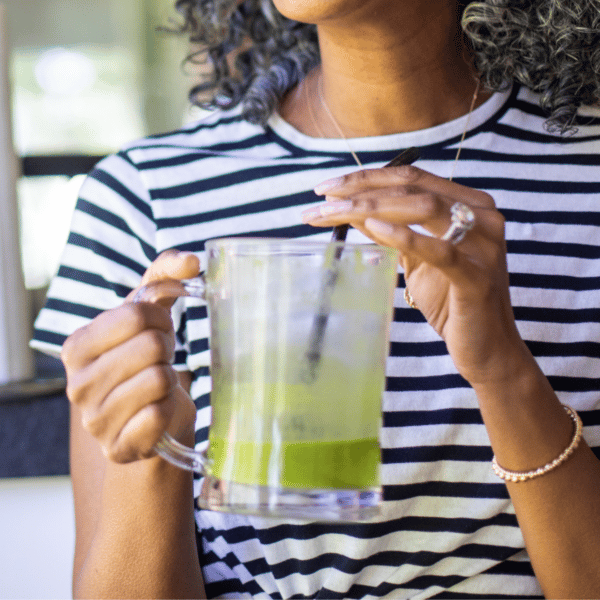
{"x": 550, "y": 46}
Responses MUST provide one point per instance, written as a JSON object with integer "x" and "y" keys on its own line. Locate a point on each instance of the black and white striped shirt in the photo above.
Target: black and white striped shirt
{"x": 448, "y": 529}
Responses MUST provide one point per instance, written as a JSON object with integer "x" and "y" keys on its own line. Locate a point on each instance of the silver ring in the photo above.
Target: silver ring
{"x": 462, "y": 221}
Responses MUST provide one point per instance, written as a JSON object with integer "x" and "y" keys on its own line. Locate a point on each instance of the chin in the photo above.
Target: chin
{"x": 314, "y": 11}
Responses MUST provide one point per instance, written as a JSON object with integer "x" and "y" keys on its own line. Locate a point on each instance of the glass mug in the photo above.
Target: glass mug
{"x": 299, "y": 335}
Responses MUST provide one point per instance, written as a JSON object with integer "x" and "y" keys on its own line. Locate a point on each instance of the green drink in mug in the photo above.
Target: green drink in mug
{"x": 299, "y": 340}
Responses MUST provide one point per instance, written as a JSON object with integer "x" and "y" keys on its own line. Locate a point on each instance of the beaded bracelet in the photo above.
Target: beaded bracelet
{"x": 524, "y": 475}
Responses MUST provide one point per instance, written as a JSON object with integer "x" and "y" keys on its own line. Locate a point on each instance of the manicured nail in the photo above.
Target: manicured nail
{"x": 330, "y": 184}
{"x": 380, "y": 228}
{"x": 334, "y": 207}
{"x": 311, "y": 214}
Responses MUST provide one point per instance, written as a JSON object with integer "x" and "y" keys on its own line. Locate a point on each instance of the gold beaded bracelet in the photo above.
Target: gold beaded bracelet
{"x": 524, "y": 475}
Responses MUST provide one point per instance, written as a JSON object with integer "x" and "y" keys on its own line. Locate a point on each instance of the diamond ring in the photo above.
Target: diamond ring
{"x": 462, "y": 221}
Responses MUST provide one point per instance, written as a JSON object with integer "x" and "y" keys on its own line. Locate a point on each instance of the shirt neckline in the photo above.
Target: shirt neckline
{"x": 433, "y": 135}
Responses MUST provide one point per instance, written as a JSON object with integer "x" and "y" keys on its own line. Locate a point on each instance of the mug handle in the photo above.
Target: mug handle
{"x": 168, "y": 447}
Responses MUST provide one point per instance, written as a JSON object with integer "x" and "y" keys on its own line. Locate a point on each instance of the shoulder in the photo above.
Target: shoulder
{"x": 153, "y": 160}
{"x": 216, "y": 132}
{"x": 221, "y": 142}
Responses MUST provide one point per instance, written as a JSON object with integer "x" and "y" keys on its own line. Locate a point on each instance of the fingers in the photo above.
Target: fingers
{"x": 119, "y": 366}
{"x": 391, "y": 205}
{"x": 430, "y": 211}
{"x": 110, "y": 329}
{"x": 91, "y": 383}
{"x": 477, "y": 257}
{"x": 135, "y": 414}
{"x": 431, "y": 250}
{"x": 113, "y": 327}
{"x": 119, "y": 372}
{"x": 401, "y": 196}
{"x": 169, "y": 266}
{"x": 120, "y": 377}
{"x": 407, "y": 177}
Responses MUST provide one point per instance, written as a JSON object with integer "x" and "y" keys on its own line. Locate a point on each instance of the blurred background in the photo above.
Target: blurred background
{"x": 85, "y": 77}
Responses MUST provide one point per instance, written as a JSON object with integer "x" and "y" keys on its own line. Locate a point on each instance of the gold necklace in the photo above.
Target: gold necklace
{"x": 341, "y": 132}
{"x": 334, "y": 121}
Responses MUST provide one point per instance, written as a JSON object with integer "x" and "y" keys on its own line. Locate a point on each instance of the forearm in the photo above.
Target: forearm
{"x": 559, "y": 512}
{"x": 144, "y": 543}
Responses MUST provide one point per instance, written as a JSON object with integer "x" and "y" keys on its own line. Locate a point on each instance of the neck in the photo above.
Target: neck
{"x": 388, "y": 74}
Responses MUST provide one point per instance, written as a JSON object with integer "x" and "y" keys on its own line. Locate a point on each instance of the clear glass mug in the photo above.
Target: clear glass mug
{"x": 299, "y": 335}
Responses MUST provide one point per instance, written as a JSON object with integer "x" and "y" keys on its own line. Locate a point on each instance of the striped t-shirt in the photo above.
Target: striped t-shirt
{"x": 448, "y": 528}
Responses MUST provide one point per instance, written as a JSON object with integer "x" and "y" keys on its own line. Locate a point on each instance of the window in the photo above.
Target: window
{"x": 87, "y": 77}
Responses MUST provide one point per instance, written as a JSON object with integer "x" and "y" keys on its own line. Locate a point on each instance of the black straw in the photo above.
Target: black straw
{"x": 406, "y": 157}
{"x": 317, "y": 334}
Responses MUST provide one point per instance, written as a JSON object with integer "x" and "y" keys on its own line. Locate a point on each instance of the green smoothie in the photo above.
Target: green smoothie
{"x": 279, "y": 431}
{"x": 350, "y": 464}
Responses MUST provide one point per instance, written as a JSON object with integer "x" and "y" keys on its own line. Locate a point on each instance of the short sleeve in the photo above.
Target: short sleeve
{"x": 110, "y": 245}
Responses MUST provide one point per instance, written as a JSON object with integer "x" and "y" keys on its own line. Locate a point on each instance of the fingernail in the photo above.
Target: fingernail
{"x": 327, "y": 185}
{"x": 310, "y": 215}
{"x": 380, "y": 228}
{"x": 335, "y": 207}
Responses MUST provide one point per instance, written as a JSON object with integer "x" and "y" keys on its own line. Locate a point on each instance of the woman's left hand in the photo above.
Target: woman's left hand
{"x": 461, "y": 289}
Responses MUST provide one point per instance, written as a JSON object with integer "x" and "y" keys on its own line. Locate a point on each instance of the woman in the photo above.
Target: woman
{"x": 463, "y": 383}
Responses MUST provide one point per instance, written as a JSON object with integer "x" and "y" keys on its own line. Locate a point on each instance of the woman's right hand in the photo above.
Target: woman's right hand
{"x": 119, "y": 371}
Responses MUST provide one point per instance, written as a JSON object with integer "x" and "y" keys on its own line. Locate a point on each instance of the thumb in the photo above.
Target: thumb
{"x": 171, "y": 264}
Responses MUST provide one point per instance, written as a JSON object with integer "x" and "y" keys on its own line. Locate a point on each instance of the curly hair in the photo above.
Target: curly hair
{"x": 272, "y": 54}
{"x": 550, "y": 46}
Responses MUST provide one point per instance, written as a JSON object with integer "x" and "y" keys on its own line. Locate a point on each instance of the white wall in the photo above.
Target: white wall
{"x": 37, "y": 535}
